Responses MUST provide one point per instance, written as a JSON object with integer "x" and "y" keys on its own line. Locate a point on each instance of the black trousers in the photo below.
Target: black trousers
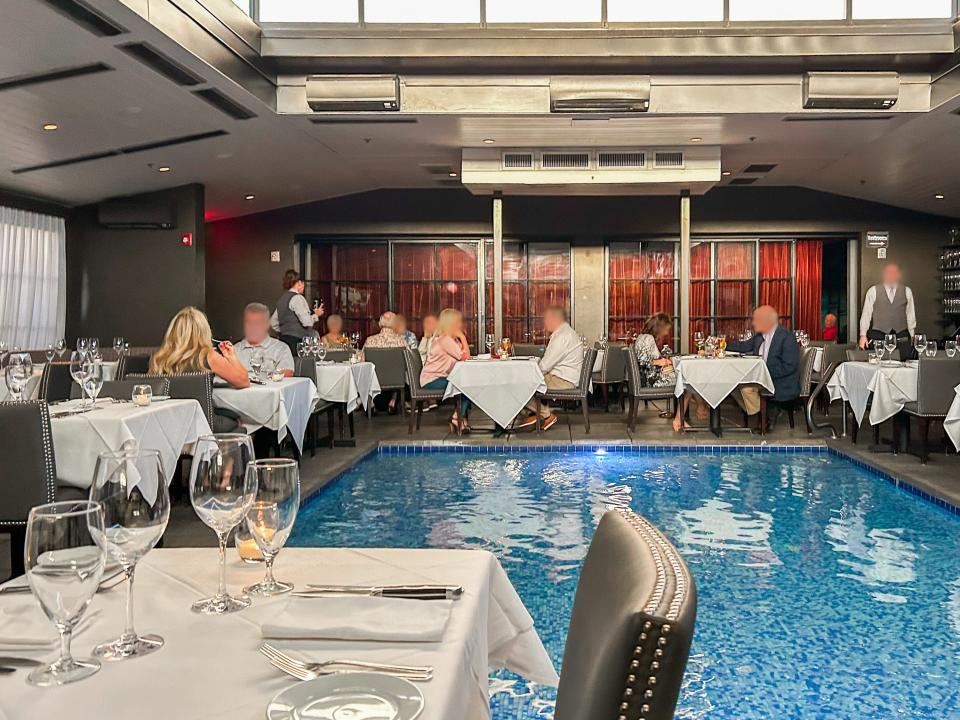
{"x": 904, "y": 342}
{"x": 292, "y": 341}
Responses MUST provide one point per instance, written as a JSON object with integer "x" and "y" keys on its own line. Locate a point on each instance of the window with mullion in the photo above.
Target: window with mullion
{"x": 642, "y": 281}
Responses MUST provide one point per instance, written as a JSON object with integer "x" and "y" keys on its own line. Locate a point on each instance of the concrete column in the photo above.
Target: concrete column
{"x": 685, "y": 271}
{"x": 589, "y": 301}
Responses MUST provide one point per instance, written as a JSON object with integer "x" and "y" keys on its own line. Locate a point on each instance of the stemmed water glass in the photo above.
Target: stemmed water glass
{"x": 17, "y": 374}
{"x": 94, "y": 345}
{"x": 878, "y": 349}
{"x": 698, "y": 339}
{"x": 92, "y": 377}
{"x": 64, "y": 565}
{"x": 890, "y": 342}
{"x": 61, "y": 347}
{"x": 355, "y": 339}
{"x": 78, "y": 366}
{"x": 950, "y": 346}
{"x": 490, "y": 341}
{"x": 50, "y": 353}
{"x": 3, "y": 351}
{"x": 82, "y": 345}
{"x": 270, "y": 519}
{"x": 321, "y": 352}
{"x": 221, "y": 492}
{"x": 118, "y": 346}
{"x": 131, "y": 488}
{"x": 256, "y": 363}
{"x": 920, "y": 343}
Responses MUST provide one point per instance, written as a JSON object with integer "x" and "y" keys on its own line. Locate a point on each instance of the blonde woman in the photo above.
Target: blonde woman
{"x": 448, "y": 347}
{"x": 188, "y": 347}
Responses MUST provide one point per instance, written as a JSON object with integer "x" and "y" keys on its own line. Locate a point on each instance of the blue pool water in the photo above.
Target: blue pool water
{"x": 825, "y": 592}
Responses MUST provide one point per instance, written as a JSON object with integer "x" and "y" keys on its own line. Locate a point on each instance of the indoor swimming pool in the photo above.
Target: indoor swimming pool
{"x": 825, "y": 591}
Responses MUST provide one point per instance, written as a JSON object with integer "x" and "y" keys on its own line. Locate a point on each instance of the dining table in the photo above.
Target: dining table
{"x": 951, "y": 424}
{"x": 713, "y": 379}
{"x": 501, "y": 388}
{"x": 284, "y": 405}
{"x": 79, "y": 435}
{"x": 210, "y": 669}
{"x": 352, "y": 384}
{"x": 885, "y": 386}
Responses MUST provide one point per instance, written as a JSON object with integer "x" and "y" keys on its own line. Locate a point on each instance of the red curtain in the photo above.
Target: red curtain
{"x": 775, "y": 277}
{"x": 809, "y": 287}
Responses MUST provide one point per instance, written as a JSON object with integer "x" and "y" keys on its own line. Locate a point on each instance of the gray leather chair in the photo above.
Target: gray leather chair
{"x": 612, "y": 372}
{"x": 123, "y": 389}
{"x": 418, "y": 395}
{"x": 855, "y": 355}
{"x": 29, "y": 476}
{"x": 631, "y": 628}
{"x": 307, "y": 367}
{"x": 391, "y": 371}
{"x": 130, "y": 363}
{"x": 937, "y": 376}
{"x": 637, "y": 391}
{"x": 56, "y": 383}
{"x": 575, "y": 394}
{"x": 196, "y": 386}
{"x": 338, "y": 355}
{"x": 528, "y": 350}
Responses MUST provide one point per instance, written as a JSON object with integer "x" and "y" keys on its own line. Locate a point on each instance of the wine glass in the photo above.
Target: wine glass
{"x": 698, "y": 339}
{"x": 931, "y": 349}
{"x": 94, "y": 345}
{"x": 61, "y": 347}
{"x": 118, "y": 345}
{"x": 50, "y": 353}
{"x": 64, "y": 566}
{"x": 301, "y": 349}
{"x": 355, "y": 338}
{"x": 920, "y": 343}
{"x": 135, "y": 514}
{"x": 950, "y": 346}
{"x": 221, "y": 492}
{"x": 256, "y": 363}
{"x": 490, "y": 341}
{"x": 17, "y": 374}
{"x": 270, "y": 519}
{"x": 82, "y": 345}
{"x": 3, "y": 351}
{"x": 78, "y": 362}
{"x": 321, "y": 352}
{"x": 878, "y": 349}
{"x": 92, "y": 377}
{"x": 890, "y": 342}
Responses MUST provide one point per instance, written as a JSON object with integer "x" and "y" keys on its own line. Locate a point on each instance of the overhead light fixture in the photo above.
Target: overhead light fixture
{"x": 726, "y": 173}
{"x": 50, "y": 127}
{"x": 488, "y": 141}
{"x": 452, "y": 174}
{"x": 938, "y": 196}
{"x": 163, "y": 168}
{"x": 696, "y": 139}
{"x": 249, "y": 197}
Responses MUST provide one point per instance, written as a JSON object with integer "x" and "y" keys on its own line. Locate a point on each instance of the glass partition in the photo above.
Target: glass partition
{"x": 679, "y": 11}
{"x": 746, "y": 10}
{"x": 642, "y": 281}
{"x": 307, "y": 11}
{"x": 421, "y": 11}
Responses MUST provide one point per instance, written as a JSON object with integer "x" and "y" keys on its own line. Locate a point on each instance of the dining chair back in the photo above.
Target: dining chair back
{"x": 528, "y": 350}
{"x": 631, "y": 627}
{"x": 389, "y": 366}
{"x": 132, "y": 364}
{"x": 835, "y": 354}
{"x": 854, "y": 355}
{"x": 56, "y": 382}
{"x": 337, "y": 355}
{"x": 305, "y": 367}
{"x": 123, "y": 389}
{"x": 418, "y": 394}
{"x": 30, "y": 472}
{"x": 635, "y": 387}
{"x": 194, "y": 386}
{"x": 936, "y": 379}
{"x": 578, "y": 392}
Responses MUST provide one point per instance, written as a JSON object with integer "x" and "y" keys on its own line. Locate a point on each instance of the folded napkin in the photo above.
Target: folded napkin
{"x": 25, "y": 627}
{"x": 359, "y": 618}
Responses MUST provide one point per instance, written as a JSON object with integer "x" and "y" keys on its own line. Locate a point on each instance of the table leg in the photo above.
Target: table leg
{"x": 343, "y": 441}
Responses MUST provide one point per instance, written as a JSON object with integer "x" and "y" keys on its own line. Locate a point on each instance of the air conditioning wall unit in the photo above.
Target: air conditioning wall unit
{"x": 599, "y": 93}
{"x": 353, "y": 93}
{"x": 135, "y": 213}
{"x": 851, "y": 90}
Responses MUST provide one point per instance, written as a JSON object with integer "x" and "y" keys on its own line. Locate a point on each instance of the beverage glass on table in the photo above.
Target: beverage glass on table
{"x": 490, "y": 342}
{"x": 920, "y": 343}
{"x": 931, "y": 350}
{"x": 256, "y": 363}
{"x": 64, "y": 566}
{"x": 17, "y": 374}
{"x": 270, "y": 519}
{"x": 505, "y": 346}
{"x": 92, "y": 377}
{"x": 61, "y": 347}
{"x": 221, "y": 492}
{"x": 50, "y": 353}
{"x": 134, "y": 520}
{"x": 321, "y": 352}
{"x": 78, "y": 365}
{"x": 142, "y": 395}
{"x": 890, "y": 343}
{"x": 950, "y": 346}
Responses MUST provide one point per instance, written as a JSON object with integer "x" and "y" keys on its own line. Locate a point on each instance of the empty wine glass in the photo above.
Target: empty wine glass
{"x": 17, "y": 374}
{"x": 82, "y": 345}
{"x": 221, "y": 492}
{"x": 256, "y": 363}
{"x": 92, "y": 377}
{"x": 490, "y": 341}
{"x": 698, "y": 339}
{"x": 94, "y": 345}
{"x": 131, "y": 488}
{"x": 118, "y": 345}
{"x": 878, "y": 350}
{"x": 321, "y": 352}
{"x": 931, "y": 349}
{"x": 890, "y": 342}
{"x": 61, "y": 347}
{"x": 355, "y": 338}
{"x": 950, "y": 346}
{"x": 78, "y": 362}
{"x": 50, "y": 352}
{"x": 64, "y": 566}
{"x": 270, "y": 519}
{"x": 920, "y": 343}
{"x": 301, "y": 349}
{"x": 3, "y": 351}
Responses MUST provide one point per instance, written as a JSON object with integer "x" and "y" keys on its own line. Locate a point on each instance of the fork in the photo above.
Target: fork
{"x": 308, "y": 671}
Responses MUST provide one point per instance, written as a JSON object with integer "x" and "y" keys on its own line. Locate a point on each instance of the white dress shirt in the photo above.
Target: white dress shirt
{"x": 272, "y": 349}
{"x": 767, "y": 342}
{"x": 871, "y": 297}
{"x": 301, "y": 308}
{"x": 564, "y": 355}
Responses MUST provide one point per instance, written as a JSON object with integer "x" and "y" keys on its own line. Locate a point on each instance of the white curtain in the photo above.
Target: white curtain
{"x": 33, "y": 278}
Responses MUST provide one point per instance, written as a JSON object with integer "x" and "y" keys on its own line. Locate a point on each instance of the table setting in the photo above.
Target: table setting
{"x": 381, "y": 634}
{"x": 22, "y": 376}
{"x": 354, "y": 384}
{"x": 714, "y": 378}
{"x": 890, "y": 383}
{"x": 279, "y": 403}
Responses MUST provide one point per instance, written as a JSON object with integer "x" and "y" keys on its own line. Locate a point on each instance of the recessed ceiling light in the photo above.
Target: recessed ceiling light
{"x": 939, "y": 196}
{"x": 726, "y": 173}
{"x": 50, "y": 126}
{"x": 249, "y": 197}
{"x": 696, "y": 139}
{"x": 488, "y": 141}
{"x": 163, "y": 168}
{"x": 452, "y": 174}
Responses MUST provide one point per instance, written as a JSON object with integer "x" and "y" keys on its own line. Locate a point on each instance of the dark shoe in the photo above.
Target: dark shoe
{"x": 528, "y": 422}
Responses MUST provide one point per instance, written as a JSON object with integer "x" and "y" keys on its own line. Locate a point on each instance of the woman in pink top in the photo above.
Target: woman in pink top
{"x": 448, "y": 347}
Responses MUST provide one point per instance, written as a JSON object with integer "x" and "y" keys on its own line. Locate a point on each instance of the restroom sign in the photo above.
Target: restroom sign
{"x": 878, "y": 238}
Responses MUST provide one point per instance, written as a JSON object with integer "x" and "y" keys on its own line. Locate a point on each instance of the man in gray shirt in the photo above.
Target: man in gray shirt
{"x": 257, "y": 340}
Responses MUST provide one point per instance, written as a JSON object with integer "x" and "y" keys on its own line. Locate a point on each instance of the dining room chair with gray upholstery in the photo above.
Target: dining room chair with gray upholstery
{"x": 56, "y": 382}
{"x": 577, "y": 393}
{"x": 135, "y": 362}
{"x": 391, "y": 371}
{"x": 612, "y": 373}
{"x": 30, "y": 471}
{"x": 632, "y": 624}
{"x": 418, "y": 394}
{"x": 936, "y": 378}
{"x": 635, "y": 388}
{"x": 123, "y": 389}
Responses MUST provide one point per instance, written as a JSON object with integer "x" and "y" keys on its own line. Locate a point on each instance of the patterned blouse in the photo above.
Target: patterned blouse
{"x": 386, "y": 338}
{"x": 653, "y": 375}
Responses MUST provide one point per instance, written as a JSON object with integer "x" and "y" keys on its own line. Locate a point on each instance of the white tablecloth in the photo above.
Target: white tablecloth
{"x": 166, "y": 426}
{"x": 891, "y": 386}
{"x": 498, "y": 387}
{"x": 32, "y": 391}
{"x": 280, "y": 406}
{"x": 951, "y": 424}
{"x": 714, "y": 379}
{"x": 209, "y": 668}
{"x": 353, "y": 384}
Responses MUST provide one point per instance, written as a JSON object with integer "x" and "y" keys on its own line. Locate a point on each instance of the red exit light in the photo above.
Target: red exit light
{"x": 186, "y": 239}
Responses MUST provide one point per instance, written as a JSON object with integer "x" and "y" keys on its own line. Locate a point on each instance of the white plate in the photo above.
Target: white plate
{"x": 353, "y": 695}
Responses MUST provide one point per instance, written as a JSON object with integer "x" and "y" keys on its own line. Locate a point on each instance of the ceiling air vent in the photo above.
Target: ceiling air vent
{"x": 224, "y": 104}
{"x": 757, "y": 168}
{"x": 668, "y": 159}
{"x": 86, "y": 17}
{"x": 518, "y": 160}
{"x": 743, "y": 181}
{"x": 621, "y": 159}
{"x": 565, "y": 161}
{"x": 160, "y": 63}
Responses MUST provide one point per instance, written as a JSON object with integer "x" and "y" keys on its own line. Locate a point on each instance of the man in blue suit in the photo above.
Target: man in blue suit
{"x": 778, "y": 347}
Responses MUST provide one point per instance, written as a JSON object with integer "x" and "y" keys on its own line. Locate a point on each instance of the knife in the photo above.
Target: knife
{"x": 411, "y": 592}
{"x": 15, "y": 662}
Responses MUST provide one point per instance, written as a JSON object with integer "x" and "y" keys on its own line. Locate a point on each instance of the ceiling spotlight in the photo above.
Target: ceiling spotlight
{"x": 488, "y": 141}
{"x": 249, "y": 197}
{"x": 50, "y": 126}
{"x": 452, "y": 174}
{"x": 938, "y": 196}
{"x": 163, "y": 168}
{"x": 726, "y": 173}
{"x": 696, "y": 139}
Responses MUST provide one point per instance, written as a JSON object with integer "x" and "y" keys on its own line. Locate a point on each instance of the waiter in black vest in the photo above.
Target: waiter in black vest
{"x": 293, "y": 319}
{"x": 888, "y": 308}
